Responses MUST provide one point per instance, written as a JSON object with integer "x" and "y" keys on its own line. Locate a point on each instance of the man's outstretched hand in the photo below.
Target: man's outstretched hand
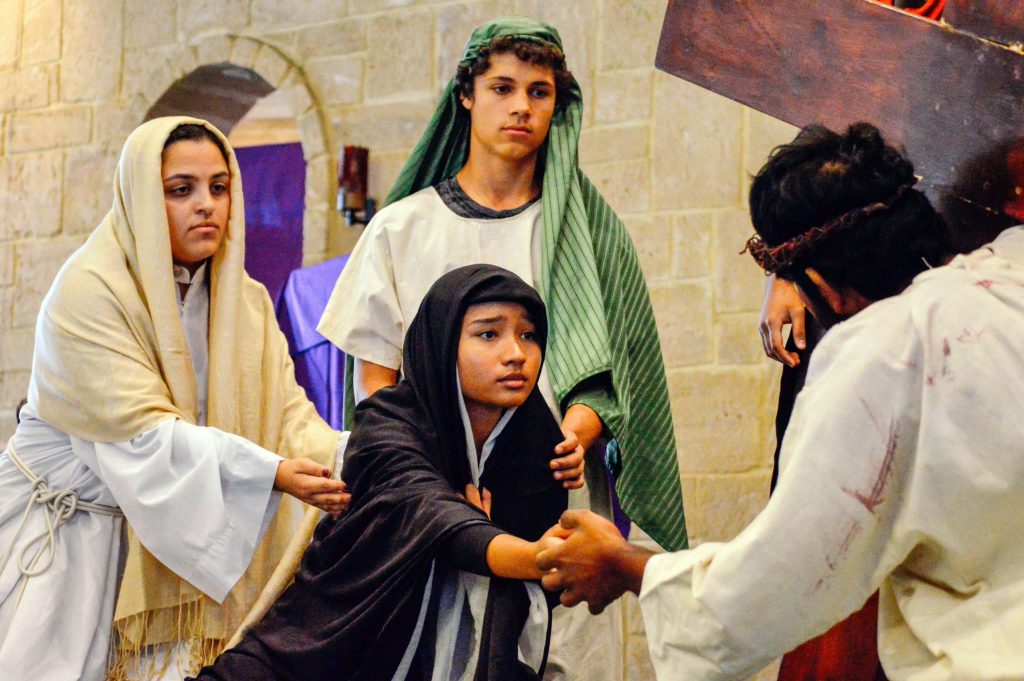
{"x": 588, "y": 560}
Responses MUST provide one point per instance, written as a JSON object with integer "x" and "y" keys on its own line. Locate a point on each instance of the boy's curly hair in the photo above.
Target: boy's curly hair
{"x": 526, "y": 50}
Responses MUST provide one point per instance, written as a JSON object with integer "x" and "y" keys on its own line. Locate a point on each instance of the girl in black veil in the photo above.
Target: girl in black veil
{"x": 414, "y": 582}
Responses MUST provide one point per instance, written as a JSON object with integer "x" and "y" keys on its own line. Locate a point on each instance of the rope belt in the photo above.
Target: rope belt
{"x": 58, "y": 508}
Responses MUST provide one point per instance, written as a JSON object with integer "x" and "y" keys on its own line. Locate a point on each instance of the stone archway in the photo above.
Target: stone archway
{"x": 276, "y": 70}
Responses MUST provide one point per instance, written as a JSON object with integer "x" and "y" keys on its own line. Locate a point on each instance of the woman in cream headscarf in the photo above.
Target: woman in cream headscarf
{"x": 162, "y": 390}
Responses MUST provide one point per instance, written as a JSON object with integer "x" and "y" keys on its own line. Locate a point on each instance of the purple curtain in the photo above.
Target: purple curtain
{"x": 319, "y": 365}
{"x": 274, "y": 180}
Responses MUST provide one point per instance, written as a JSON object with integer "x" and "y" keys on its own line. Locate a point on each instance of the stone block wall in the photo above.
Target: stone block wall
{"x": 672, "y": 159}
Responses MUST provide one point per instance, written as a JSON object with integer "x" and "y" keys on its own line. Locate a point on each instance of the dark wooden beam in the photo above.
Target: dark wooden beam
{"x": 998, "y": 20}
{"x": 955, "y": 102}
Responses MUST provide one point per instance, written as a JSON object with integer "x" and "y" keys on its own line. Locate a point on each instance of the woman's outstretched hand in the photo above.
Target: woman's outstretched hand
{"x": 308, "y": 481}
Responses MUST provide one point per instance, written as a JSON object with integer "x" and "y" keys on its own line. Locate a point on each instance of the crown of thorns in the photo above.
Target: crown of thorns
{"x": 774, "y": 258}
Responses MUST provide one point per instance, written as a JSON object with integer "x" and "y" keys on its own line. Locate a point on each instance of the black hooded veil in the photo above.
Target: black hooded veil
{"x": 352, "y": 610}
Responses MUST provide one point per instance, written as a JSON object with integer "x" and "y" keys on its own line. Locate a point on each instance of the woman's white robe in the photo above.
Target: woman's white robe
{"x": 198, "y": 498}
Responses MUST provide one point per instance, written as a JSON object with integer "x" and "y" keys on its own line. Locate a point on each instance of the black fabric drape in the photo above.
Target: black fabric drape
{"x": 351, "y": 612}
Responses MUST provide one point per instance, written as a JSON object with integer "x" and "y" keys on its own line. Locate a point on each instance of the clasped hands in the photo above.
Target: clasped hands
{"x": 584, "y": 557}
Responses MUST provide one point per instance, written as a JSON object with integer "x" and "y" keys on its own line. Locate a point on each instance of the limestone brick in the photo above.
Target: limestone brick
{"x": 340, "y": 37}
{"x": 287, "y": 39}
{"x": 214, "y": 49}
{"x": 10, "y": 32}
{"x": 200, "y": 16}
{"x": 683, "y": 314}
{"x": 384, "y": 169}
{"x": 7, "y": 80}
{"x": 243, "y": 52}
{"x": 148, "y": 23}
{"x": 625, "y": 185}
{"x": 623, "y": 95}
{"x": 717, "y": 412}
{"x": 319, "y": 184}
{"x": 143, "y": 68}
{"x": 638, "y": 666}
{"x": 271, "y": 65}
{"x": 314, "y": 229}
{"x": 629, "y": 32}
{"x": 277, "y": 14}
{"x": 739, "y": 282}
{"x": 17, "y": 355}
{"x": 182, "y": 61}
{"x": 113, "y": 123}
{"x": 374, "y": 6}
{"x": 41, "y": 36}
{"x": 7, "y": 426}
{"x": 38, "y": 262}
{"x": 396, "y": 126}
{"x": 763, "y": 133}
{"x": 614, "y": 143}
{"x": 91, "y": 64}
{"x": 13, "y": 389}
{"x": 87, "y": 176}
{"x": 311, "y": 130}
{"x": 737, "y": 340}
{"x": 6, "y": 261}
{"x": 722, "y": 505}
{"x": 33, "y": 195}
{"x": 652, "y": 238}
{"x": 398, "y": 65}
{"x": 338, "y": 80}
{"x": 298, "y": 96}
{"x": 48, "y": 128}
{"x": 454, "y": 24}
{"x": 696, "y": 147}
{"x": 32, "y": 87}
{"x": 691, "y": 244}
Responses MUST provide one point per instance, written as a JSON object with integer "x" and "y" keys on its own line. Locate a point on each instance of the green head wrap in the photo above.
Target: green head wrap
{"x": 443, "y": 149}
{"x": 603, "y": 348}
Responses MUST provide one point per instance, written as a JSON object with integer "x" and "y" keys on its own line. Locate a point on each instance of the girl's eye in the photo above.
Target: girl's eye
{"x": 529, "y": 335}
{"x": 219, "y": 188}
{"x": 487, "y": 335}
{"x": 541, "y": 93}
{"x": 502, "y": 89}
{"x": 180, "y": 190}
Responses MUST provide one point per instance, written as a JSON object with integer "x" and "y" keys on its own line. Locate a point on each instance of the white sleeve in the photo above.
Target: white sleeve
{"x": 825, "y": 541}
{"x": 364, "y": 317}
{"x": 198, "y": 498}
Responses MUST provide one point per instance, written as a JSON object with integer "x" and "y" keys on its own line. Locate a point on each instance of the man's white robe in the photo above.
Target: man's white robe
{"x": 902, "y": 469}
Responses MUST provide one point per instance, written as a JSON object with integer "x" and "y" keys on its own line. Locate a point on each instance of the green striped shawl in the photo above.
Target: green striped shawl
{"x": 600, "y": 317}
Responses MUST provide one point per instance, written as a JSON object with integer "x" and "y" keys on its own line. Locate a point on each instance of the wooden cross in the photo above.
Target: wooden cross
{"x": 951, "y": 93}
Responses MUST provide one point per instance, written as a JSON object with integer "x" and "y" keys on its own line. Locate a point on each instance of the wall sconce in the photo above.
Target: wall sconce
{"x": 352, "y": 202}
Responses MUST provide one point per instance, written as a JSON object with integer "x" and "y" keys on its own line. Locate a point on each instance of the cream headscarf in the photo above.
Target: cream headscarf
{"x": 111, "y": 362}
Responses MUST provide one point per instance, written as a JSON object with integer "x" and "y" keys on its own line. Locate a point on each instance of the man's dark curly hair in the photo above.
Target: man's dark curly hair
{"x": 822, "y": 175}
{"x": 528, "y": 51}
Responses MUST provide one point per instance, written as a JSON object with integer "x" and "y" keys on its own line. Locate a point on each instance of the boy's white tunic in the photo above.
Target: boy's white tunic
{"x": 199, "y": 499}
{"x": 404, "y": 250}
{"x": 903, "y": 468}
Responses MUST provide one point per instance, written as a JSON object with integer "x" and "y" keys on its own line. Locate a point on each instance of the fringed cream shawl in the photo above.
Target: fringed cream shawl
{"x": 111, "y": 362}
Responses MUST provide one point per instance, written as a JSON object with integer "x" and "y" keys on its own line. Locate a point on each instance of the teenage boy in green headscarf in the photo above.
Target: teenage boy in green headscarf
{"x": 495, "y": 179}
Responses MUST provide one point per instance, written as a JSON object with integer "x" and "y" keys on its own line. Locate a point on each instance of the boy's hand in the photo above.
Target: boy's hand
{"x": 308, "y": 481}
{"x": 568, "y": 467}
